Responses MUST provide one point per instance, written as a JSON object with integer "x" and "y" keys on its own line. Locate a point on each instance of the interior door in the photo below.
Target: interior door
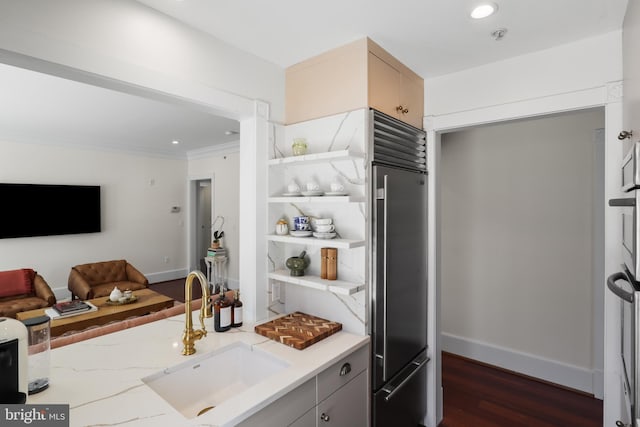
{"x": 203, "y": 218}
{"x": 400, "y": 221}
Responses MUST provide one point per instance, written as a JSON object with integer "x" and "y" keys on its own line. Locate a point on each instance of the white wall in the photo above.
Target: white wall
{"x": 585, "y": 64}
{"x": 517, "y": 237}
{"x": 128, "y": 41}
{"x": 136, "y": 221}
{"x": 124, "y": 45}
{"x": 337, "y": 132}
{"x": 630, "y": 43}
{"x": 223, "y": 169}
{"x": 570, "y": 77}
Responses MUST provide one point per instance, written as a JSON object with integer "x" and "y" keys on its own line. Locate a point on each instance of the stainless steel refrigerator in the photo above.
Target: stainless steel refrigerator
{"x": 398, "y": 269}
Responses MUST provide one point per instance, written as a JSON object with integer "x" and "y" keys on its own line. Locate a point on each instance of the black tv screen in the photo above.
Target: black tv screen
{"x": 30, "y": 210}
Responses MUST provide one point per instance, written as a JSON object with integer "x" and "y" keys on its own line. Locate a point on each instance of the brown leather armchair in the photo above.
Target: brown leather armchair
{"x": 23, "y": 290}
{"x": 94, "y": 280}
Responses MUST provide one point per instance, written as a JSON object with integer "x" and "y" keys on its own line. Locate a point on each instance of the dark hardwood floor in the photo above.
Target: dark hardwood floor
{"x": 476, "y": 395}
{"x": 175, "y": 289}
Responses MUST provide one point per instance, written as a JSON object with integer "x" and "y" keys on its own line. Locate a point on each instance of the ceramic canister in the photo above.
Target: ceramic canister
{"x": 282, "y": 227}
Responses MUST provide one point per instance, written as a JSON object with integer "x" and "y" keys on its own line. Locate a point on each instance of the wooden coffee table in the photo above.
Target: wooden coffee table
{"x": 148, "y": 301}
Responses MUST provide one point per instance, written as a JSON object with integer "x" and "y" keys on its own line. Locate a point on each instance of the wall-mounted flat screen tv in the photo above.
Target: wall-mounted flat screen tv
{"x": 29, "y": 210}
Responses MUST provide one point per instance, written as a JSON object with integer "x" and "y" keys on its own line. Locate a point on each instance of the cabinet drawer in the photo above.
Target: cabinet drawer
{"x": 346, "y": 407}
{"x": 342, "y": 372}
{"x": 285, "y": 410}
{"x": 307, "y": 420}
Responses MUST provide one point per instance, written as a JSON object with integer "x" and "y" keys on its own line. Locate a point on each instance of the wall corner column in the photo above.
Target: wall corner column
{"x": 254, "y": 136}
{"x": 434, "y": 370}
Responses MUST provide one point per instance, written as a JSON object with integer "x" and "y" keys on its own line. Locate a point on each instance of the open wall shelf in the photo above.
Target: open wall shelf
{"x": 317, "y": 158}
{"x": 315, "y": 282}
{"x": 312, "y": 241}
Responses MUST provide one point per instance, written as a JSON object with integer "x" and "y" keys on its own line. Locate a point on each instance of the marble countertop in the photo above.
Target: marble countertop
{"x": 100, "y": 378}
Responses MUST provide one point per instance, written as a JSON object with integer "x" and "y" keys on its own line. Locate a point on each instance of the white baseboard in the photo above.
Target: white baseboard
{"x": 598, "y": 384}
{"x": 164, "y": 276}
{"x": 528, "y": 364}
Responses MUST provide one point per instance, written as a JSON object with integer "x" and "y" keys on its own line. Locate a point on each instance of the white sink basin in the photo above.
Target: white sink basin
{"x": 205, "y": 381}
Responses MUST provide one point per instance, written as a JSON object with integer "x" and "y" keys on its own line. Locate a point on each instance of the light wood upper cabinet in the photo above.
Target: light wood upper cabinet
{"x": 358, "y": 75}
{"x": 393, "y": 88}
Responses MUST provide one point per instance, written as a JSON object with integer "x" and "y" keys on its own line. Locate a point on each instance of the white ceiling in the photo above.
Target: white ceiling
{"x": 432, "y": 37}
{"x": 48, "y": 109}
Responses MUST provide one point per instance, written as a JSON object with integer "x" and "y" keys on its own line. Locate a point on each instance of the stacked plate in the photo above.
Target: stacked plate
{"x": 301, "y": 233}
{"x": 313, "y": 193}
{"x": 329, "y": 235}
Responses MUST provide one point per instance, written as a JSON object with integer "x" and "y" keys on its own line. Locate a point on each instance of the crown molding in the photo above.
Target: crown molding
{"x": 217, "y": 149}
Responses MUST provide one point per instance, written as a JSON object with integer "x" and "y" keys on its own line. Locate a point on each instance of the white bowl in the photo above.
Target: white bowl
{"x": 324, "y": 235}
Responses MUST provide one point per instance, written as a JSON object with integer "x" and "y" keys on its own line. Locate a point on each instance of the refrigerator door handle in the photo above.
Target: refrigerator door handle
{"x": 384, "y": 277}
{"x": 621, "y": 293}
{"x": 418, "y": 365}
{"x": 629, "y": 201}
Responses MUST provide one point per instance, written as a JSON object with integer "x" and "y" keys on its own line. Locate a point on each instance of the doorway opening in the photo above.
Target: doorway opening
{"x": 202, "y": 223}
{"x": 521, "y": 246}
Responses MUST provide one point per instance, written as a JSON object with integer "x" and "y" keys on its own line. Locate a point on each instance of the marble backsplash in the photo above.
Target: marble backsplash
{"x": 347, "y": 131}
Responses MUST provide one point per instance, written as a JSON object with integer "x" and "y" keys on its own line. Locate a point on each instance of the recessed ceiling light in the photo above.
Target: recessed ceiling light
{"x": 175, "y": 142}
{"x": 483, "y": 10}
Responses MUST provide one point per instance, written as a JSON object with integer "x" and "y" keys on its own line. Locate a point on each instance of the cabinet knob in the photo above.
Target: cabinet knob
{"x": 346, "y": 368}
{"x": 324, "y": 417}
{"x": 401, "y": 109}
{"x": 625, "y": 134}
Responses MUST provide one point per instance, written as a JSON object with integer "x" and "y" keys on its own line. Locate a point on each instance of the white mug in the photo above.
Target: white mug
{"x": 336, "y": 187}
{"x": 322, "y": 228}
{"x": 312, "y": 186}
{"x": 293, "y": 187}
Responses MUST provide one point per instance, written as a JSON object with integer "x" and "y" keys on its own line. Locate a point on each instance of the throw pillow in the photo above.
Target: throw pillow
{"x": 16, "y": 282}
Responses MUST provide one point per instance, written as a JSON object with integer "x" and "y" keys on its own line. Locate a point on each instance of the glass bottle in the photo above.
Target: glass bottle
{"x": 236, "y": 316}
{"x": 221, "y": 313}
{"x": 219, "y": 273}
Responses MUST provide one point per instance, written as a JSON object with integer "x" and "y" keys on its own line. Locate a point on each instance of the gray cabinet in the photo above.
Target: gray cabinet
{"x": 336, "y": 397}
{"x": 347, "y": 407}
{"x": 307, "y": 420}
{"x": 341, "y": 372}
{"x": 286, "y": 410}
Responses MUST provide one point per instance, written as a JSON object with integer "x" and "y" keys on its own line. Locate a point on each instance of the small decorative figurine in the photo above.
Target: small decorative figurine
{"x": 297, "y": 264}
{"x": 115, "y": 294}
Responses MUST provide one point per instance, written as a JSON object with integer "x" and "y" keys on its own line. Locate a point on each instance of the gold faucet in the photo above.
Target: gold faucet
{"x": 189, "y": 336}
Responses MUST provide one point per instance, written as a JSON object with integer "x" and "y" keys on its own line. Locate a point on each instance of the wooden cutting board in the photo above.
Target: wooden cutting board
{"x": 298, "y": 330}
